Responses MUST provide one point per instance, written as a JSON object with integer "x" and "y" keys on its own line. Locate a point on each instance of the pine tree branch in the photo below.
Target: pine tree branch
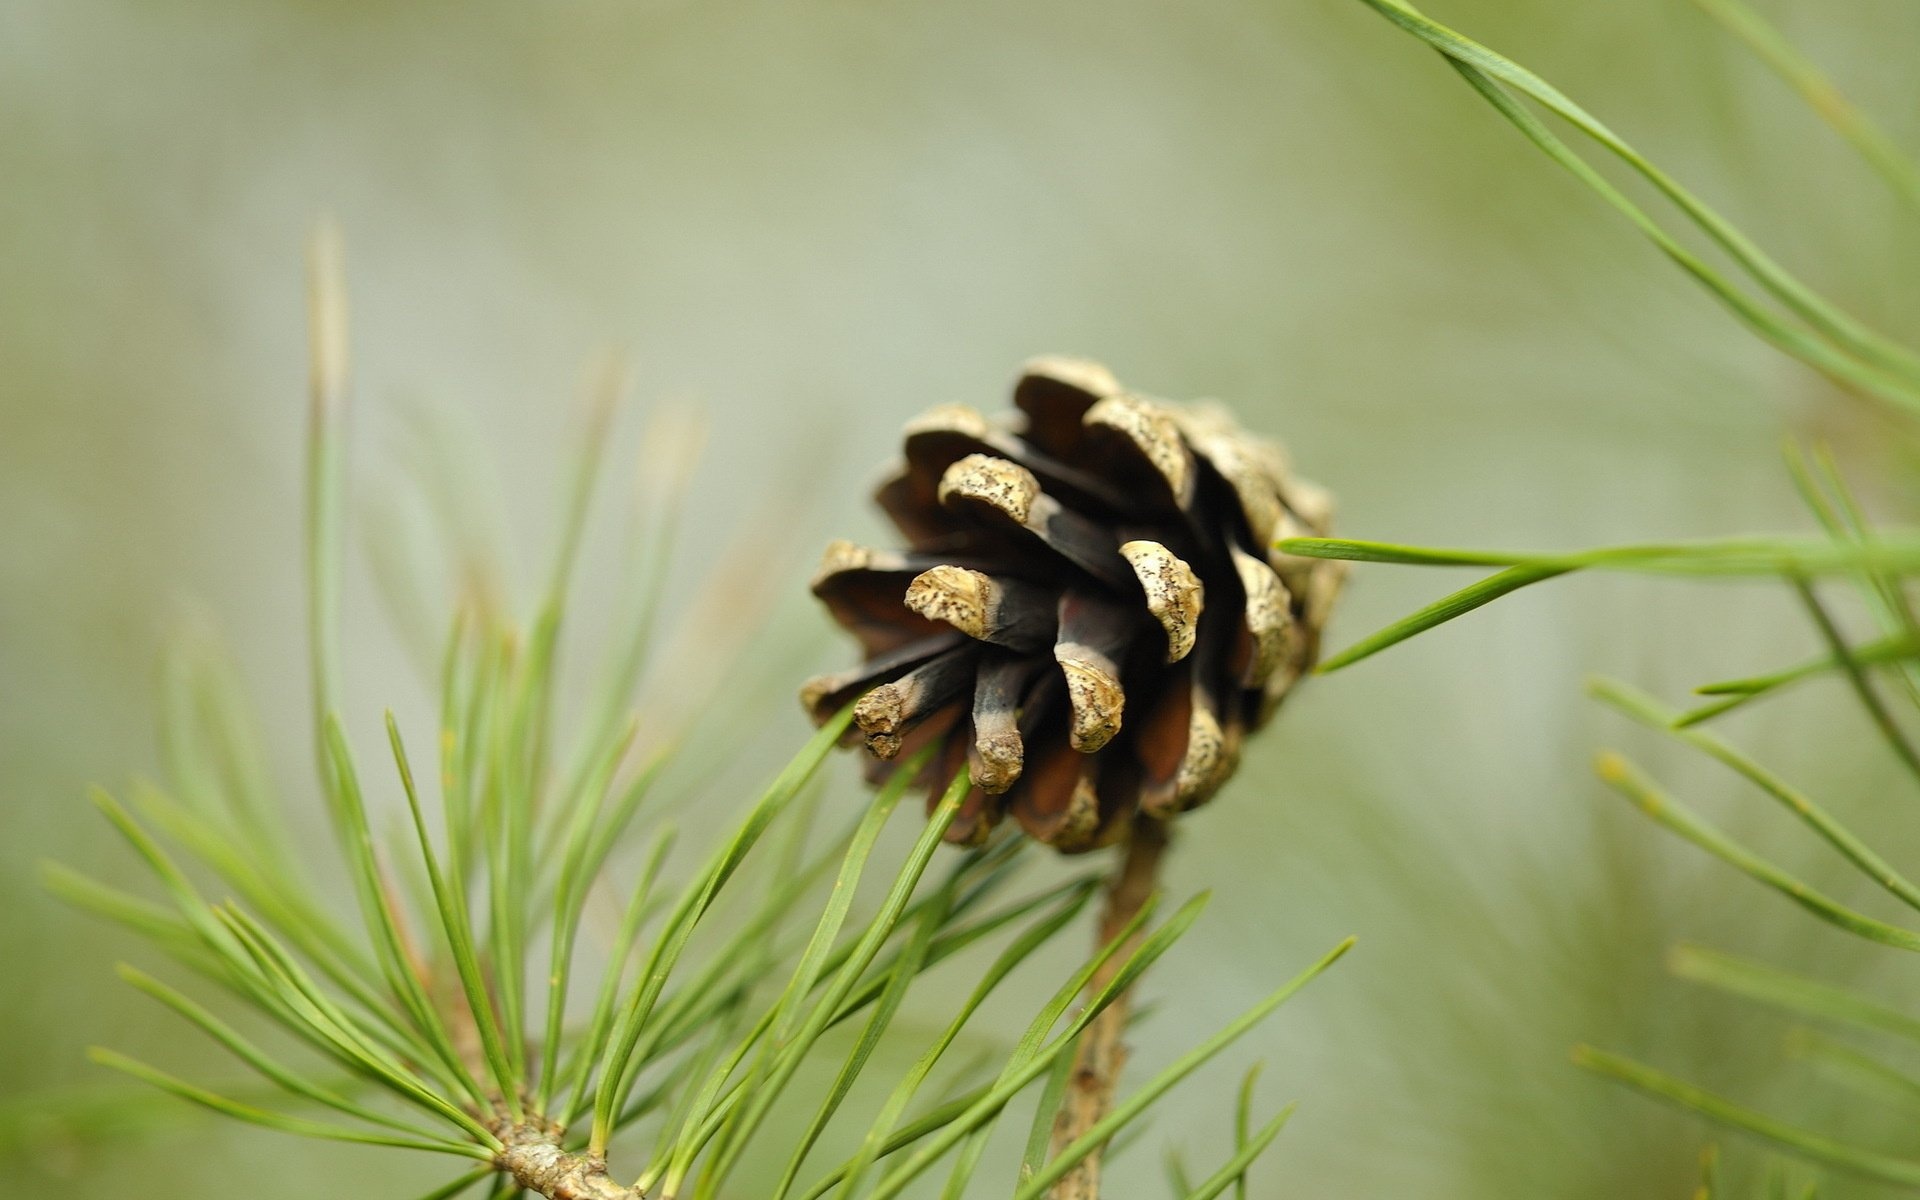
{"x": 538, "y": 1163}
{"x": 1102, "y": 1054}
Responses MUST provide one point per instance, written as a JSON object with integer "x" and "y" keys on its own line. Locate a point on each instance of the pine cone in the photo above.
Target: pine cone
{"x": 1088, "y": 616}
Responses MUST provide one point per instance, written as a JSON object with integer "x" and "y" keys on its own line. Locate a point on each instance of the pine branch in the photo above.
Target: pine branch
{"x": 1102, "y": 1054}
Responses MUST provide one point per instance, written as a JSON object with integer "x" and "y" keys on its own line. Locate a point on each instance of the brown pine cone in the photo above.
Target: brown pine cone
{"x": 1088, "y": 616}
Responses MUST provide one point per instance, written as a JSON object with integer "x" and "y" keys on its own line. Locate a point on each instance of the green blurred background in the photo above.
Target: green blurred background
{"x": 813, "y": 220}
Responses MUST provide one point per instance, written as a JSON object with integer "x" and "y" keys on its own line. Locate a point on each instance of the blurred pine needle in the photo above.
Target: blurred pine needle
{"x": 1881, "y": 670}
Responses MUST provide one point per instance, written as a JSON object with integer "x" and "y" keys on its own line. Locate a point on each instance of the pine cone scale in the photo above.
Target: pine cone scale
{"x": 1174, "y": 595}
{"x": 1096, "y": 637}
{"x": 1005, "y": 611}
{"x": 998, "y": 750}
{"x": 825, "y": 695}
{"x": 891, "y": 711}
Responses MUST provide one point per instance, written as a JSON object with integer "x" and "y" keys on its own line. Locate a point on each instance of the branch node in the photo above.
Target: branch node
{"x": 536, "y": 1160}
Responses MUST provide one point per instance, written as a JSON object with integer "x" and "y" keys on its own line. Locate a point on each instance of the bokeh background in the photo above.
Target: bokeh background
{"x": 812, "y": 220}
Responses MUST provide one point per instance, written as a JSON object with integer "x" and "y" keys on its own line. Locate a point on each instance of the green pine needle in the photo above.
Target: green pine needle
{"x": 1806, "y": 1143}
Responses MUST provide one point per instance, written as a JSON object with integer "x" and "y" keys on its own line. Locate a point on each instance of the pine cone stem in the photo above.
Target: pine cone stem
{"x": 1102, "y": 1052}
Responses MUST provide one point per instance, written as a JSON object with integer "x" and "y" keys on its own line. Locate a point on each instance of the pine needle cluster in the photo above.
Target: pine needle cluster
{"x": 1881, "y": 667}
